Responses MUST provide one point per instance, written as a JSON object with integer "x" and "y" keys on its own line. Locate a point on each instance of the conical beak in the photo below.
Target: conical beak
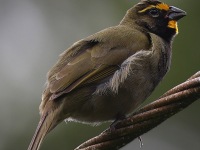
{"x": 175, "y": 13}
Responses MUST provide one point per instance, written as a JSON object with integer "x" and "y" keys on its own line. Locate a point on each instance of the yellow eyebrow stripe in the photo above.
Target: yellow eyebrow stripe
{"x": 163, "y": 6}
{"x": 160, "y": 6}
{"x": 147, "y": 8}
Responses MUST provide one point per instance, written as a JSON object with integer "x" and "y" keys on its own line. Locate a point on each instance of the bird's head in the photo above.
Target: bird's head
{"x": 155, "y": 17}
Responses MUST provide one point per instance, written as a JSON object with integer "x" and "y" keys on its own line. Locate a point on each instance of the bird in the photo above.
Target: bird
{"x": 107, "y": 75}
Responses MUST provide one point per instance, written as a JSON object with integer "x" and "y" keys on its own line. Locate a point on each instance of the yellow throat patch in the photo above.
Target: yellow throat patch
{"x": 173, "y": 24}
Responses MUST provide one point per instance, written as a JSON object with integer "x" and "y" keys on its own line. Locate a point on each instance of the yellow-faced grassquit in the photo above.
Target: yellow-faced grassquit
{"x": 107, "y": 75}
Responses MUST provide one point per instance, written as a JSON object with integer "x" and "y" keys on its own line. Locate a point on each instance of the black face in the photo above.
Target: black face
{"x": 155, "y": 21}
{"x": 158, "y": 18}
{"x": 155, "y": 17}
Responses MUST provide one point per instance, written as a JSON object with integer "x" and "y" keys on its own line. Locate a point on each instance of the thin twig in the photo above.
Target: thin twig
{"x": 148, "y": 117}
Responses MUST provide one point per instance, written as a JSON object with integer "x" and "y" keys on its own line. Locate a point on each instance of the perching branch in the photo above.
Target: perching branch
{"x": 148, "y": 117}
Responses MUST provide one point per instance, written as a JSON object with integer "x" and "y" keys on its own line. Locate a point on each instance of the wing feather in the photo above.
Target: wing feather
{"x": 92, "y": 60}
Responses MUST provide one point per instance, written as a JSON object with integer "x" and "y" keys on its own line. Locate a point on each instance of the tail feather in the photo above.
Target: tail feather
{"x": 42, "y": 129}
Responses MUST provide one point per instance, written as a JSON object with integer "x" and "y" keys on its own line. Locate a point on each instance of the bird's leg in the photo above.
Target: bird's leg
{"x": 113, "y": 125}
{"x": 119, "y": 117}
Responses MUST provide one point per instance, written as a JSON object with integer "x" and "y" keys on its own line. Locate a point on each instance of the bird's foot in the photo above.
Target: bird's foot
{"x": 113, "y": 125}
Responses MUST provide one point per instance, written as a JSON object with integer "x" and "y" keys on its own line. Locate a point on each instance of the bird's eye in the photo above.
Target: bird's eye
{"x": 154, "y": 12}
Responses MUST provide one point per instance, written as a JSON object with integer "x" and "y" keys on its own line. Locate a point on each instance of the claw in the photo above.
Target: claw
{"x": 141, "y": 143}
{"x": 118, "y": 119}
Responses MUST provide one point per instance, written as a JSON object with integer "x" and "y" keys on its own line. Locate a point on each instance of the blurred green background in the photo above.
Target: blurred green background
{"x": 32, "y": 35}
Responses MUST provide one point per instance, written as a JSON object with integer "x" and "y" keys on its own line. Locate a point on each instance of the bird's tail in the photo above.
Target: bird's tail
{"x": 45, "y": 125}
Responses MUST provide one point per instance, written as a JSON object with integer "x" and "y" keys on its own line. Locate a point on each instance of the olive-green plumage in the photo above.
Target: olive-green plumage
{"x": 110, "y": 73}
